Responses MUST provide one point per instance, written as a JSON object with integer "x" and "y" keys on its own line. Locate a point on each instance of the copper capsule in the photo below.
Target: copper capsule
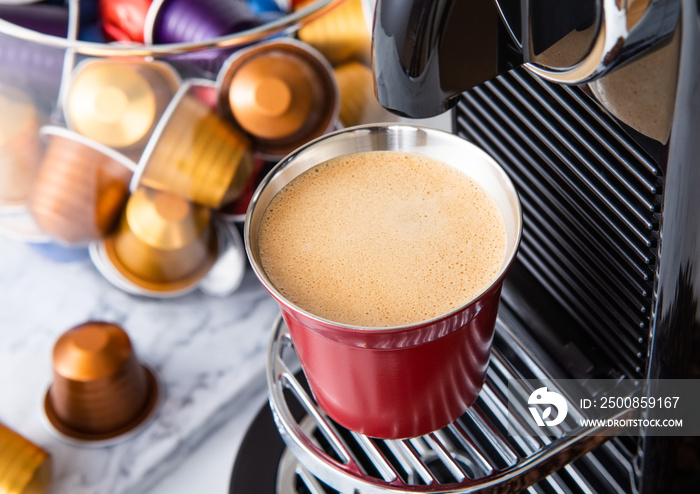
{"x": 163, "y": 242}
{"x": 340, "y": 35}
{"x": 20, "y": 146}
{"x": 99, "y": 389}
{"x": 282, "y": 93}
{"x": 80, "y": 188}
{"x": 25, "y": 468}
{"x": 195, "y": 154}
{"x": 118, "y": 102}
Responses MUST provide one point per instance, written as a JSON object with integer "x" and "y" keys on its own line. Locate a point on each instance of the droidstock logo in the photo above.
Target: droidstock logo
{"x": 541, "y": 396}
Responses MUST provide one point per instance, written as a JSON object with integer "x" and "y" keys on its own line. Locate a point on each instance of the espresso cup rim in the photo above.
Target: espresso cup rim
{"x": 251, "y": 243}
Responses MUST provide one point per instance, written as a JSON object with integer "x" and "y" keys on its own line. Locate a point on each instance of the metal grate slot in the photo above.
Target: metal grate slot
{"x": 590, "y": 204}
{"x": 607, "y": 132}
{"x": 473, "y": 454}
{"x": 563, "y": 173}
{"x": 567, "y": 290}
{"x": 528, "y": 166}
{"x": 591, "y": 155}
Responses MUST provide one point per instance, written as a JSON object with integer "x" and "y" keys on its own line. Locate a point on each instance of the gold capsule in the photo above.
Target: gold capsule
{"x": 119, "y": 102}
{"x": 340, "y": 35}
{"x": 163, "y": 242}
{"x": 195, "y": 154}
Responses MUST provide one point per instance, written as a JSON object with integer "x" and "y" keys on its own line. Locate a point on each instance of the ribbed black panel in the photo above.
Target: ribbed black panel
{"x": 590, "y": 201}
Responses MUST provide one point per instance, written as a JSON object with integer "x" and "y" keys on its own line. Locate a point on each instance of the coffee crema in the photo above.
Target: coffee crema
{"x": 382, "y": 239}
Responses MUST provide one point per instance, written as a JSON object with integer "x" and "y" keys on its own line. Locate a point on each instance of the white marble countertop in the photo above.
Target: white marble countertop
{"x": 209, "y": 353}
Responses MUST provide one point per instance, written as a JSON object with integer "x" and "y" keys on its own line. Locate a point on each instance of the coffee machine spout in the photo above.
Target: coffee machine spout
{"x": 427, "y": 52}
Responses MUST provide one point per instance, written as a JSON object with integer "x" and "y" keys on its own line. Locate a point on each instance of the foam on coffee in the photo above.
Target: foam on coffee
{"x": 382, "y": 239}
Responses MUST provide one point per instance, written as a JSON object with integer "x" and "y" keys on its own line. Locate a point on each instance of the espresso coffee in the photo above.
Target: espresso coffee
{"x": 382, "y": 239}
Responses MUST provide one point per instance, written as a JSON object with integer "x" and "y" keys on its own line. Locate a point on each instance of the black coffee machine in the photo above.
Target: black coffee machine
{"x": 593, "y": 108}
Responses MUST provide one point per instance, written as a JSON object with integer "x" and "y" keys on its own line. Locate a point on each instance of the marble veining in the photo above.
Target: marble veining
{"x": 208, "y": 352}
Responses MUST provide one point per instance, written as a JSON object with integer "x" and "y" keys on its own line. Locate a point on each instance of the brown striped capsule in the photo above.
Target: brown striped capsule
{"x": 80, "y": 188}
{"x": 99, "y": 390}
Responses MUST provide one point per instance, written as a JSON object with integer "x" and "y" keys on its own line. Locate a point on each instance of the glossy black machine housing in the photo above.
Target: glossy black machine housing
{"x": 593, "y": 107}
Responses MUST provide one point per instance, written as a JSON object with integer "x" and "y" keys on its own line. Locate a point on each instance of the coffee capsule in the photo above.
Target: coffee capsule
{"x": 119, "y": 102}
{"x": 340, "y": 35}
{"x": 25, "y": 468}
{"x": 234, "y": 212}
{"x": 195, "y": 154}
{"x": 281, "y": 92}
{"x": 358, "y": 104}
{"x": 20, "y": 146}
{"x": 288, "y": 5}
{"x": 182, "y": 21}
{"x": 93, "y": 33}
{"x": 42, "y": 18}
{"x": 205, "y": 91}
{"x": 80, "y": 188}
{"x": 261, "y": 8}
{"x": 89, "y": 11}
{"x": 222, "y": 278}
{"x": 124, "y": 20}
{"x": 36, "y": 67}
{"x": 17, "y": 223}
{"x": 100, "y": 391}
{"x": 21, "y": 150}
{"x": 163, "y": 243}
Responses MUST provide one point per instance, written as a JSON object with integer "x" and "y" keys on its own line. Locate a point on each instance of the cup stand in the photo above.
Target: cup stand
{"x": 473, "y": 454}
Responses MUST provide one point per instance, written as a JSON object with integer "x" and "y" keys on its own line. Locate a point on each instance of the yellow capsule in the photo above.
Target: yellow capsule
{"x": 25, "y": 468}
{"x": 340, "y": 35}
{"x": 358, "y": 104}
{"x": 195, "y": 154}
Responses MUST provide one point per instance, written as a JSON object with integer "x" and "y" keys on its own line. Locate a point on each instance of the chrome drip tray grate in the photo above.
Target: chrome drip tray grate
{"x": 473, "y": 454}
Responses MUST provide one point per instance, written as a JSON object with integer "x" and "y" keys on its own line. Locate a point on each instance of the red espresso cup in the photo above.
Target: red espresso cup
{"x": 401, "y": 381}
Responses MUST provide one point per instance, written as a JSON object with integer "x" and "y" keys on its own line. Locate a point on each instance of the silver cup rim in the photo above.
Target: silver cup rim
{"x": 398, "y": 134}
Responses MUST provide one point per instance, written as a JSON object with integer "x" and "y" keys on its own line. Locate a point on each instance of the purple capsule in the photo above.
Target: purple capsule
{"x": 33, "y": 66}
{"x": 42, "y": 18}
{"x": 182, "y": 21}
{"x": 179, "y": 21}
